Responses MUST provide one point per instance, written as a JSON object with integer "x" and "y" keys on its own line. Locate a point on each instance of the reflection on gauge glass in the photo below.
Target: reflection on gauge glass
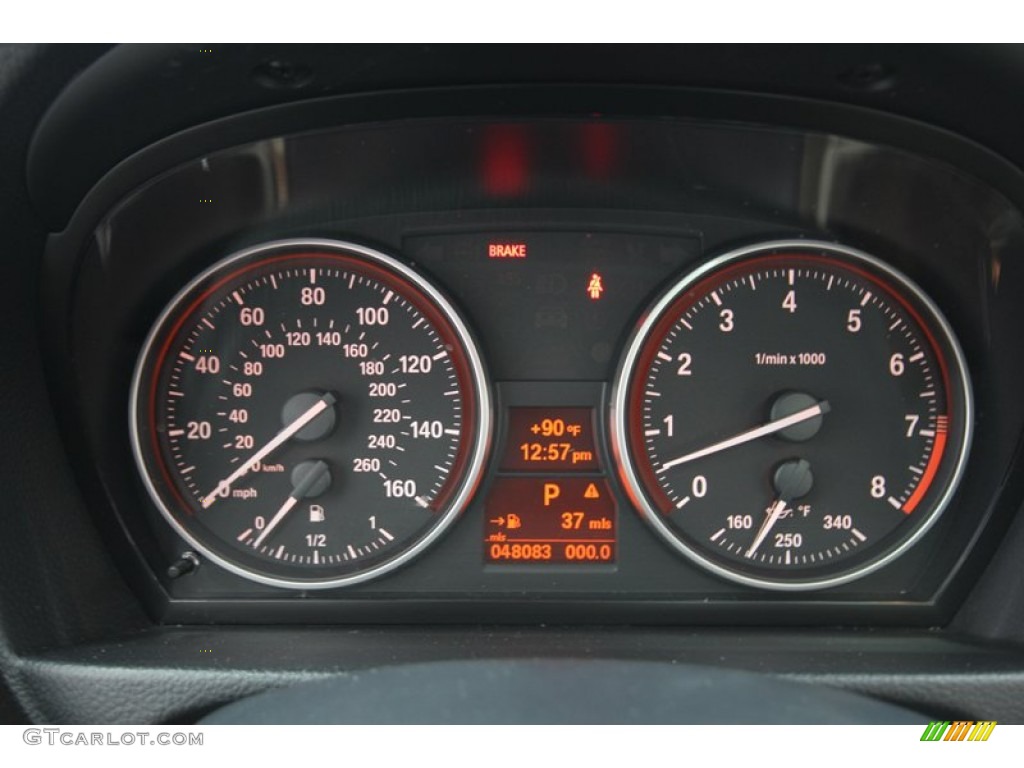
{"x": 793, "y": 415}
{"x": 310, "y": 413}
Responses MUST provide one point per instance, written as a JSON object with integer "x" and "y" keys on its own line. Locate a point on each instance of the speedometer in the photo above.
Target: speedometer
{"x": 310, "y": 413}
{"x": 792, "y": 415}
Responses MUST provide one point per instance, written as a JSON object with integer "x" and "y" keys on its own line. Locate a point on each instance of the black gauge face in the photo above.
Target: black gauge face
{"x": 310, "y": 413}
{"x": 792, "y": 416}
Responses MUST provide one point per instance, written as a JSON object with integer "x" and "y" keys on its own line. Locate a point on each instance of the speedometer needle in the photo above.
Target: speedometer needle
{"x": 752, "y": 434}
{"x": 284, "y": 435}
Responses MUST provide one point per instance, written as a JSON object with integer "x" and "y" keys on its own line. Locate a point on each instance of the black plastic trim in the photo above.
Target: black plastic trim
{"x": 151, "y": 91}
{"x": 180, "y": 674}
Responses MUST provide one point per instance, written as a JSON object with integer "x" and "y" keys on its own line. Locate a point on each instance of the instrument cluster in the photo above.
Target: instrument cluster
{"x": 582, "y": 368}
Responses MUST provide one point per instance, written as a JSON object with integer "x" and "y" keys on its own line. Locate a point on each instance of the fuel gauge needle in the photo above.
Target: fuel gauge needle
{"x": 281, "y": 437}
{"x": 304, "y": 485}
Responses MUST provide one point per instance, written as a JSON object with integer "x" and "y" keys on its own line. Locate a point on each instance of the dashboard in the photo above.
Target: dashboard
{"x": 514, "y": 369}
{"x": 480, "y": 395}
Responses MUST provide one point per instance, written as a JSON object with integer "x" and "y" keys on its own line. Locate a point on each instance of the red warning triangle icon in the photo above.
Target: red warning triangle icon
{"x": 591, "y": 492}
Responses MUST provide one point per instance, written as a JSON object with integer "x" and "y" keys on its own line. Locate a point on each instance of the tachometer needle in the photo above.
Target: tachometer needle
{"x": 752, "y": 434}
{"x": 305, "y": 484}
{"x": 284, "y": 435}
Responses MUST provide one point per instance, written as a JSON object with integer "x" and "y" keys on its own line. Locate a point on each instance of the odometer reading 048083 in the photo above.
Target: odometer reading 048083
{"x": 310, "y": 413}
{"x": 792, "y": 415}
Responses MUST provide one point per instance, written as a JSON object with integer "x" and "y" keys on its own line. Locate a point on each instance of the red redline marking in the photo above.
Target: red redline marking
{"x": 929, "y": 472}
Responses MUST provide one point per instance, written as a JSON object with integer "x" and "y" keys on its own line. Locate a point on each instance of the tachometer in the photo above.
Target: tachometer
{"x": 793, "y": 415}
{"x": 310, "y": 413}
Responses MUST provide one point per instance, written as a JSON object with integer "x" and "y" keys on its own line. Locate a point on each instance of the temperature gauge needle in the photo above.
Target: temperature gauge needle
{"x": 792, "y": 480}
{"x": 751, "y": 434}
{"x": 775, "y": 511}
{"x": 301, "y": 489}
{"x": 281, "y": 437}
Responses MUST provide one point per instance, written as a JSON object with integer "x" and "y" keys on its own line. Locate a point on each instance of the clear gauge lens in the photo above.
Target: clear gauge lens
{"x": 310, "y": 413}
{"x": 792, "y": 415}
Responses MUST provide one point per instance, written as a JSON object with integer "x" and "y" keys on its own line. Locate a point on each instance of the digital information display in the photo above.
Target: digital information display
{"x": 550, "y": 440}
{"x": 560, "y": 520}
